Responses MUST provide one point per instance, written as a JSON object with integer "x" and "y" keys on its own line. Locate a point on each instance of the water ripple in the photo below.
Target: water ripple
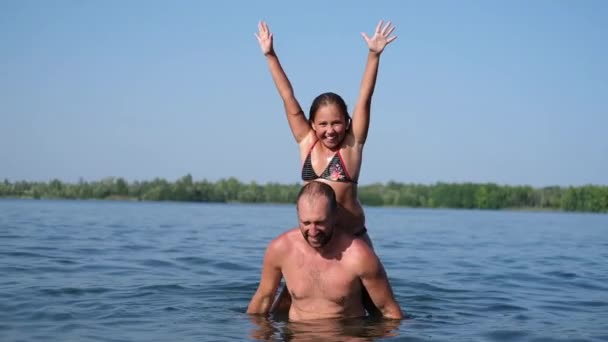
{"x": 135, "y": 271}
{"x": 507, "y": 335}
{"x": 74, "y": 291}
{"x": 195, "y": 261}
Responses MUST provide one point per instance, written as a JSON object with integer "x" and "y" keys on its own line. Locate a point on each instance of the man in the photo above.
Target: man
{"x": 324, "y": 268}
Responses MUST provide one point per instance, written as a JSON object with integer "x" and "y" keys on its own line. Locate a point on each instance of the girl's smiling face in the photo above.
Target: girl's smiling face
{"x": 330, "y": 125}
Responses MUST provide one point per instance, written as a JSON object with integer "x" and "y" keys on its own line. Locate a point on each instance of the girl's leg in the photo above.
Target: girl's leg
{"x": 369, "y": 305}
{"x": 282, "y": 302}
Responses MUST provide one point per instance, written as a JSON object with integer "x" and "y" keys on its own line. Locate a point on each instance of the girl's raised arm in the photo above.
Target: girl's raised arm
{"x": 376, "y": 44}
{"x": 295, "y": 116}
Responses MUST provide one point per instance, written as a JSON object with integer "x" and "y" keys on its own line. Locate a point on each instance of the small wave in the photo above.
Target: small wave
{"x": 122, "y": 321}
{"x": 54, "y": 269}
{"x": 574, "y": 306}
{"x": 40, "y": 248}
{"x": 195, "y": 261}
{"x": 157, "y": 263}
{"x": 226, "y": 265}
{"x": 503, "y": 308}
{"x": 392, "y": 244}
{"x": 587, "y": 285}
{"x": 163, "y": 288}
{"x": 110, "y": 268}
{"x": 506, "y": 335}
{"x": 521, "y": 317}
{"x": 423, "y": 298}
{"x": 135, "y": 247}
{"x": 15, "y": 269}
{"x": 19, "y": 254}
{"x": 74, "y": 291}
{"x": 429, "y": 287}
{"x": 123, "y": 271}
{"x": 66, "y": 262}
{"x": 10, "y": 236}
{"x": 600, "y": 337}
{"x": 69, "y": 327}
{"x": 237, "y": 286}
{"x": 51, "y": 316}
{"x": 595, "y": 303}
{"x": 470, "y": 314}
{"x": 88, "y": 251}
{"x": 56, "y": 237}
{"x": 561, "y": 274}
{"x": 565, "y": 339}
{"x": 137, "y": 293}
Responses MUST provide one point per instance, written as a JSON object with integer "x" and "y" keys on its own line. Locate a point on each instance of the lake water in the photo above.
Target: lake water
{"x": 132, "y": 271}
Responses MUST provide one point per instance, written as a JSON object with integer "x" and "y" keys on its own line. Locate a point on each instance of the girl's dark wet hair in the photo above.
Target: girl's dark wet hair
{"x": 325, "y": 99}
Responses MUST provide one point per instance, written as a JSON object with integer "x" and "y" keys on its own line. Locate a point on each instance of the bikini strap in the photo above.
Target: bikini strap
{"x": 344, "y": 166}
{"x": 313, "y": 146}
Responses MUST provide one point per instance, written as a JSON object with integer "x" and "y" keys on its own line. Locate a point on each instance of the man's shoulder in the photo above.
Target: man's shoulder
{"x": 360, "y": 249}
{"x": 285, "y": 241}
{"x": 360, "y": 254}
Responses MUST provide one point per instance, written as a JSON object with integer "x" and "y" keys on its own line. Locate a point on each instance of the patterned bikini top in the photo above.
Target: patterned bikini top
{"x": 335, "y": 170}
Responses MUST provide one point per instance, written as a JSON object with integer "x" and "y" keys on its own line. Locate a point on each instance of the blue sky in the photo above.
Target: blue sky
{"x": 511, "y": 92}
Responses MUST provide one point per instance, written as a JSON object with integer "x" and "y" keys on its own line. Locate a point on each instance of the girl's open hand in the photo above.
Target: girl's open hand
{"x": 264, "y": 37}
{"x": 381, "y": 38}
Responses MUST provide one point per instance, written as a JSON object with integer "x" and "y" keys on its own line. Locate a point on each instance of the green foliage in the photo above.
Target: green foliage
{"x": 589, "y": 198}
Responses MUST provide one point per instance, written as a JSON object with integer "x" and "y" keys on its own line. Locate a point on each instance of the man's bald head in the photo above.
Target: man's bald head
{"x": 315, "y": 190}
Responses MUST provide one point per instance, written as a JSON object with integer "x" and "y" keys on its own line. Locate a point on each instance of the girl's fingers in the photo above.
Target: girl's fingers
{"x": 379, "y": 26}
{"x": 386, "y": 27}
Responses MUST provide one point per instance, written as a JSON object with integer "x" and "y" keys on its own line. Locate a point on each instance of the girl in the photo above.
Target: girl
{"x": 330, "y": 142}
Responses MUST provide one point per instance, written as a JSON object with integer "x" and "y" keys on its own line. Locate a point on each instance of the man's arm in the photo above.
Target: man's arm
{"x": 269, "y": 282}
{"x": 374, "y": 279}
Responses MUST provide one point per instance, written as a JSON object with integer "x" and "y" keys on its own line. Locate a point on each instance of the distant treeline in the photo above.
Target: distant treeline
{"x": 591, "y": 198}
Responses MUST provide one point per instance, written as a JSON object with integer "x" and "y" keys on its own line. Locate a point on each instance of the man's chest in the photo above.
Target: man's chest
{"x": 331, "y": 280}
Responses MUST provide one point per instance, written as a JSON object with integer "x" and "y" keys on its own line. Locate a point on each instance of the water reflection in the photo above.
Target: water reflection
{"x": 355, "y": 329}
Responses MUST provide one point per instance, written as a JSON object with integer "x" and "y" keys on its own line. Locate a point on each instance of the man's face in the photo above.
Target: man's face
{"x": 316, "y": 220}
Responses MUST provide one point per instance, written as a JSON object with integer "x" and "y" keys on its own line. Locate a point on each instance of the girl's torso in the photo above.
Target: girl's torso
{"x": 340, "y": 170}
